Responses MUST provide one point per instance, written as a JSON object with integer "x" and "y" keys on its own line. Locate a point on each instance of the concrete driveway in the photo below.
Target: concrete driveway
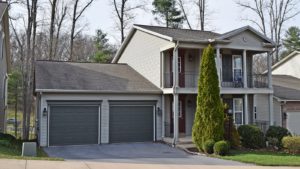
{"x": 137, "y": 153}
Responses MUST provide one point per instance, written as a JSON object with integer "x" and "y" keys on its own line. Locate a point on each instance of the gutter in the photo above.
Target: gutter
{"x": 175, "y": 86}
{"x": 95, "y": 91}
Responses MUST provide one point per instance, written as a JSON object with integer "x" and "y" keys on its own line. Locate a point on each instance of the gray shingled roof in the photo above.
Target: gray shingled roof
{"x": 284, "y": 87}
{"x": 71, "y": 76}
{"x": 182, "y": 34}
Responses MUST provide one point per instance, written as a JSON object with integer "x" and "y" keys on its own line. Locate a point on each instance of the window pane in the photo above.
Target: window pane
{"x": 237, "y": 62}
{"x": 238, "y": 75}
{"x": 238, "y": 105}
{"x": 238, "y": 118}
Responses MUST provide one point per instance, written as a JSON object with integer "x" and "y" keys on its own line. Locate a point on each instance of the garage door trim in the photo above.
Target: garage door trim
{"x": 73, "y": 103}
{"x": 138, "y": 104}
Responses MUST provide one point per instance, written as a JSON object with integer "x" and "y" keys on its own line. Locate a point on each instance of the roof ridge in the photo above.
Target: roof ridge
{"x": 61, "y": 61}
{"x": 175, "y": 28}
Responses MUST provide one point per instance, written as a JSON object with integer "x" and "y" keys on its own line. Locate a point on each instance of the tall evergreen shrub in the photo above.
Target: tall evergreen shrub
{"x": 209, "y": 116}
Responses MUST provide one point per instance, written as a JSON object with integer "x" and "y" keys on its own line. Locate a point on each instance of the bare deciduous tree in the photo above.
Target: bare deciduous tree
{"x": 123, "y": 10}
{"x": 52, "y": 26}
{"x": 270, "y": 17}
{"x": 181, "y": 5}
{"x": 77, "y": 13}
{"x": 202, "y": 6}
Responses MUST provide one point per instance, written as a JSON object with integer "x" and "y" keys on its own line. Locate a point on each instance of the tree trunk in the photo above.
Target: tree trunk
{"x": 53, "y": 6}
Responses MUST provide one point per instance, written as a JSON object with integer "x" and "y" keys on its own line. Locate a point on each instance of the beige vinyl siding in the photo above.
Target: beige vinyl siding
{"x": 143, "y": 54}
{"x": 262, "y": 107}
{"x": 43, "y": 133}
{"x": 290, "y": 67}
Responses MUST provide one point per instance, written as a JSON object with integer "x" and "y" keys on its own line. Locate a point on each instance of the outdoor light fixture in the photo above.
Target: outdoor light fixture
{"x": 45, "y": 112}
{"x": 158, "y": 110}
{"x": 230, "y": 111}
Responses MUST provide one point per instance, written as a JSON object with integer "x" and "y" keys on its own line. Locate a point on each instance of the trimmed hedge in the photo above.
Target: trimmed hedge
{"x": 208, "y": 146}
{"x": 276, "y": 132}
{"x": 251, "y": 137}
{"x": 221, "y": 148}
{"x": 292, "y": 144}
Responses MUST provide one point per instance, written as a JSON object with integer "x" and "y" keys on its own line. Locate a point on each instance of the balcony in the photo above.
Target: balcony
{"x": 258, "y": 81}
{"x": 253, "y": 81}
{"x": 186, "y": 80}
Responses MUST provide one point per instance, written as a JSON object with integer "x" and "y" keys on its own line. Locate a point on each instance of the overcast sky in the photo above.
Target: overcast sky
{"x": 225, "y": 16}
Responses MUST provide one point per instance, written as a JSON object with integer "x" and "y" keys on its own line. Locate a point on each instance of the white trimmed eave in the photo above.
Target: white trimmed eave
{"x": 242, "y": 29}
{"x": 285, "y": 100}
{"x": 129, "y": 36}
{"x": 95, "y": 91}
{"x": 285, "y": 59}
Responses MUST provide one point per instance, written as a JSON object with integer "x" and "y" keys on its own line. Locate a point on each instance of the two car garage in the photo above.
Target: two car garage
{"x": 77, "y": 123}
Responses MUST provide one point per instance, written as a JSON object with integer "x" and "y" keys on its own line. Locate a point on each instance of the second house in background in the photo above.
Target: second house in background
{"x": 170, "y": 59}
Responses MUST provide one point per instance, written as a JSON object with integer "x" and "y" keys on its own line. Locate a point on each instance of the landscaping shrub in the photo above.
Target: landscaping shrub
{"x": 251, "y": 137}
{"x": 208, "y": 146}
{"x": 5, "y": 143}
{"x": 221, "y": 148}
{"x": 230, "y": 132}
{"x": 292, "y": 144}
{"x": 8, "y": 137}
{"x": 278, "y": 133}
{"x": 209, "y": 116}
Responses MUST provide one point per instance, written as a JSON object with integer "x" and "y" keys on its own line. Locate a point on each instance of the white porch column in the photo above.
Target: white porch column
{"x": 175, "y": 118}
{"x": 175, "y": 68}
{"x": 163, "y": 116}
{"x": 271, "y": 109}
{"x": 246, "y": 109}
{"x": 162, "y": 55}
{"x": 218, "y": 63}
{"x": 245, "y": 68}
{"x": 269, "y": 57}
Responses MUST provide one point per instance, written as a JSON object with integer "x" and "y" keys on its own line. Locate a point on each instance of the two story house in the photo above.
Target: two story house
{"x": 149, "y": 91}
{"x": 4, "y": 62}
{"x": 170, "y": 59}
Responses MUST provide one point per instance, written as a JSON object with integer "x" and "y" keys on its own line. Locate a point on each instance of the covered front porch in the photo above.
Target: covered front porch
{"x": 244, "y": 109}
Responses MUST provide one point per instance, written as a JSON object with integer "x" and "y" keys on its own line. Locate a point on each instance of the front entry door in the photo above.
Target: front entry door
{"x": 181, "y": 120}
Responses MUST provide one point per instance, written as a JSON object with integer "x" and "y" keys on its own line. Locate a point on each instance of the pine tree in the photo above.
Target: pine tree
{"x": 167, "y": 11}
{"x": 209, "y": 116}
{"x": 292, "y": 39}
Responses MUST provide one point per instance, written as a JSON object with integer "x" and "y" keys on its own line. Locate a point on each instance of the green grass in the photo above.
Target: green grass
{"x": 264, "y": 158}
{"x": 10, "y": 153}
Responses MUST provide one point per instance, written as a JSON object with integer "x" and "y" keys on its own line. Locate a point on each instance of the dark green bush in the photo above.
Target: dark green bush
{"x": 278, "y": 133}
{"x": 208, "y": 146}
{"x": 292, "y": 144}
{"x": 221, "y": 148}
{"x": 5, "y": 143}
{"x": 8, "y": 137}
{"x": 231, "y": 134}
{"x": 251, "y": 137}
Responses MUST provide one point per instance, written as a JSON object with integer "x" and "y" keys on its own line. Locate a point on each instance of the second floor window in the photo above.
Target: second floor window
{"x": 237, "y": 68}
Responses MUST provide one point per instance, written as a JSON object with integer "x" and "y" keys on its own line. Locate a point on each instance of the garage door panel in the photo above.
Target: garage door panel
{"x": 293, "y": 119}
{"x": 131, "y": 123}
{"x": 73, "y": 125}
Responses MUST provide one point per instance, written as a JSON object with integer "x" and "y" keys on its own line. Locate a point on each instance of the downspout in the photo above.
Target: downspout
{"x": 175, "y": 95}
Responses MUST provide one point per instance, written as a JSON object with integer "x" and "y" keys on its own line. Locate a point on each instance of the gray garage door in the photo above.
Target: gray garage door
{"x": 73, "y": 125}
{"x": 130, "y": 123}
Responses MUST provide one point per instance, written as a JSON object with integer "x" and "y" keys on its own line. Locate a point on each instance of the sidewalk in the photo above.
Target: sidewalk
{"x": 30, "y": 164}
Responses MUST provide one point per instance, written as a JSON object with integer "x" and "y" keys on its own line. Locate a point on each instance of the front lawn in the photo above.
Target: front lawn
{"x": 12, "y": 153}
{"x": 264, "y": 158}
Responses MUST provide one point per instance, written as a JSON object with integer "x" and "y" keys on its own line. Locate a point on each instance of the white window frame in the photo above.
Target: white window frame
{"x": 233, "y": 65}
{"x": 235, "y": 111}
